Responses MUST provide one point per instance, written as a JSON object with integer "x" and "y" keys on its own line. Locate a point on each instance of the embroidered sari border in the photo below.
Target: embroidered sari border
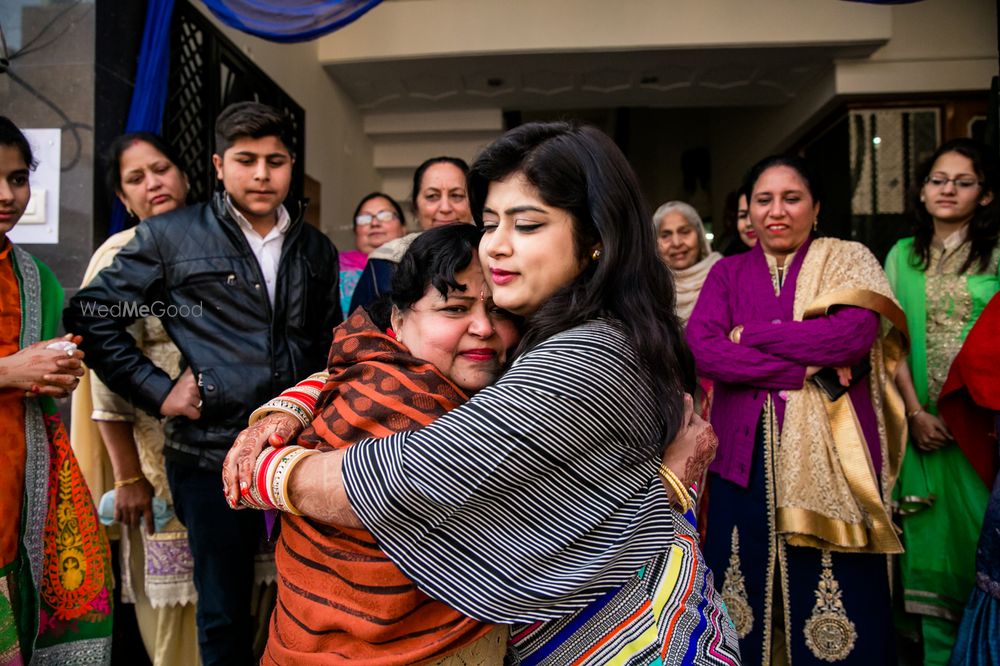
{"x": 877, "y": 534}
{"x": 862, "y": 298}
{"x": 803, "y": 527}
{"x": 855, "y": 461}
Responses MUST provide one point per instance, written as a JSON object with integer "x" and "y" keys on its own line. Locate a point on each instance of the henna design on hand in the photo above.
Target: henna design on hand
{"x": 697, "y": 464}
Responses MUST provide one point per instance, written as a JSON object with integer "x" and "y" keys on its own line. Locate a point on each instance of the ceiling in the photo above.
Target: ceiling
{"x": 655, "y": 78}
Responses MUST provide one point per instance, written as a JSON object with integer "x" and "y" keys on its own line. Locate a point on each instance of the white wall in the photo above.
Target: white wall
{"x": 338, "y": 153}
{"x": 429, "y": 28}
{"x": 931, "y": 46}
{"x": 936, "y": 46}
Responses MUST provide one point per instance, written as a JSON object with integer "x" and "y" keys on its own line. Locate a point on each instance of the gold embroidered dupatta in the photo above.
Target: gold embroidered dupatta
{"x": 827, "y": 493}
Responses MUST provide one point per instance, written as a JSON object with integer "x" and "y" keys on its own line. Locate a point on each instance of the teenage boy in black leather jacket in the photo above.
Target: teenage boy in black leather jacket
{"x": 250, "y": 296}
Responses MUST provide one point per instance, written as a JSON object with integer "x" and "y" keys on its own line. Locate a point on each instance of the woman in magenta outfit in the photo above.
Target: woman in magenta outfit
{"x": 797, "y": 525}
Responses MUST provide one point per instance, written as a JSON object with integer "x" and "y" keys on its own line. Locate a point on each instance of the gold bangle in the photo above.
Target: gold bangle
{"x": 683, "y": 498}
{"x": 129, "y": 482}
{"x": 912, "y": 413}
{"x": 286, "y": 482}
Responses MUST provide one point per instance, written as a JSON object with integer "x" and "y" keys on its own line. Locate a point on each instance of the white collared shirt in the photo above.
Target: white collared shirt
{"x": 267, "y": 248}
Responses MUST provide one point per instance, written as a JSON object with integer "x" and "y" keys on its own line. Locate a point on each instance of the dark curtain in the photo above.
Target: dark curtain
{"x": 149, "y": 98}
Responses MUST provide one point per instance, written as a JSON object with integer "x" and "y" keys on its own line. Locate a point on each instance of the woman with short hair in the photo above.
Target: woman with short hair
{"x": 397, "y": 365}
{"x": 378, "y": 219}
{"x": 439, "y": 196}
{"x": 684, "y": 247}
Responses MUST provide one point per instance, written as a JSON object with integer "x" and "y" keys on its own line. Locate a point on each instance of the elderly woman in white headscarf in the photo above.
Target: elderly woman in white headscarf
{"x": 684, "y": 248}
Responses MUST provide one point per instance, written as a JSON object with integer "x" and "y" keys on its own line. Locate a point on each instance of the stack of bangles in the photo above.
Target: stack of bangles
{"x": 269, "y": 487}
{"x": 684, "y": 500}
{"x": 298, "y": 401}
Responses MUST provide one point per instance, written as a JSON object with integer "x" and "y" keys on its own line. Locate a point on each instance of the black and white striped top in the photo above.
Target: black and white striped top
{"x": 535, "y": 497}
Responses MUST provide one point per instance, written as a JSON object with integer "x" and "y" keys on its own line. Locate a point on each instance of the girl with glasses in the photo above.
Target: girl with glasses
{"x": 439, "y": 196}
{"x": 944, "y": 275}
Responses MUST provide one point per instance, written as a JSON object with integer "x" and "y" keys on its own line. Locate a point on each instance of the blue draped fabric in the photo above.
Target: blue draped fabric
{"x": 289, "y": 20}
{"x": 149, "y": 98}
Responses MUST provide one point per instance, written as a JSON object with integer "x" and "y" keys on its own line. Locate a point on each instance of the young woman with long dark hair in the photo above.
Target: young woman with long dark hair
{"x": 537, "y": 503}
{"x": 944, "y": 276}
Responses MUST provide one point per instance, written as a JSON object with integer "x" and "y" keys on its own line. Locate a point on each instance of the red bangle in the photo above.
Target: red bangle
{"x": 260, "y": 480}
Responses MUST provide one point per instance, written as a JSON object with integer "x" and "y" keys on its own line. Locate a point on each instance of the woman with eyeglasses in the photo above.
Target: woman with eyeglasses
{"x": 439, "y": 196}
{"x": 944, "y": 275}
{"x": 377, "y": 220}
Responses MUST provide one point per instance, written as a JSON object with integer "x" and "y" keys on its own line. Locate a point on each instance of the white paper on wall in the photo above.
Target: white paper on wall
{"x": 40, "y": 223}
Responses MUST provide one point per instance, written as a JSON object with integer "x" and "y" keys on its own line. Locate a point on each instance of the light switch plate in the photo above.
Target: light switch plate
{"x": 34, "y": 212}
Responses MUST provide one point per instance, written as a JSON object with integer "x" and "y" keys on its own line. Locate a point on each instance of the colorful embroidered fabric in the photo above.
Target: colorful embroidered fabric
{"x": 12, "y": 449}
{"x": 75, "y": 575}
{"x": 62, "y": 577}
{"x": 668, "y": 613}
{"x": 939, "y": 492}
{"x": 771, "y": 587}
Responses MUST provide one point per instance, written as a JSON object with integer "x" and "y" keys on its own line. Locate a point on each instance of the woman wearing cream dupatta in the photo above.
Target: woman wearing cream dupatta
{"x": 684, "y": 248}
{"x": 156, "y": 566}
{"x": 798, "y": 526}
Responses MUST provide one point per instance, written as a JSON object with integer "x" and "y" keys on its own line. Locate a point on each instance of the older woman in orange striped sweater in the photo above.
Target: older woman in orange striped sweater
{"x": 340, "y": 598}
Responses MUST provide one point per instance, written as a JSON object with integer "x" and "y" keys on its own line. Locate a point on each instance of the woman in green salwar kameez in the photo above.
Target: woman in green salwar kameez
{"x": 55, "y": 571}
{"x": 943, "y": 277}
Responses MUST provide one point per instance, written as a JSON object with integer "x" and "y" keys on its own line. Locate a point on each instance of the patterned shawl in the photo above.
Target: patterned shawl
{"x": 340, "y": 598}
{"x": 828, "y": 495}
{"x": 688, "y": 282}
{"x": 63, "y": 578}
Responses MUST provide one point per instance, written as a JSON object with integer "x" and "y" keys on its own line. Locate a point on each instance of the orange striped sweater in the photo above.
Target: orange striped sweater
{"x": 340, "y": 599}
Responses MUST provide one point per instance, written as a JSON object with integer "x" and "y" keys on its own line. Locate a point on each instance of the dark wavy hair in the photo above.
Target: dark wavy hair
{"x": 113, "y": 156}
{"x": 375, "y": 195}
{"x": 984, "y": 228}
{"x": 432, "y": 260}
{"x": 10, "y": 135}
{"x": 579, "y": 169}
{"x": 418, "y": 175}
